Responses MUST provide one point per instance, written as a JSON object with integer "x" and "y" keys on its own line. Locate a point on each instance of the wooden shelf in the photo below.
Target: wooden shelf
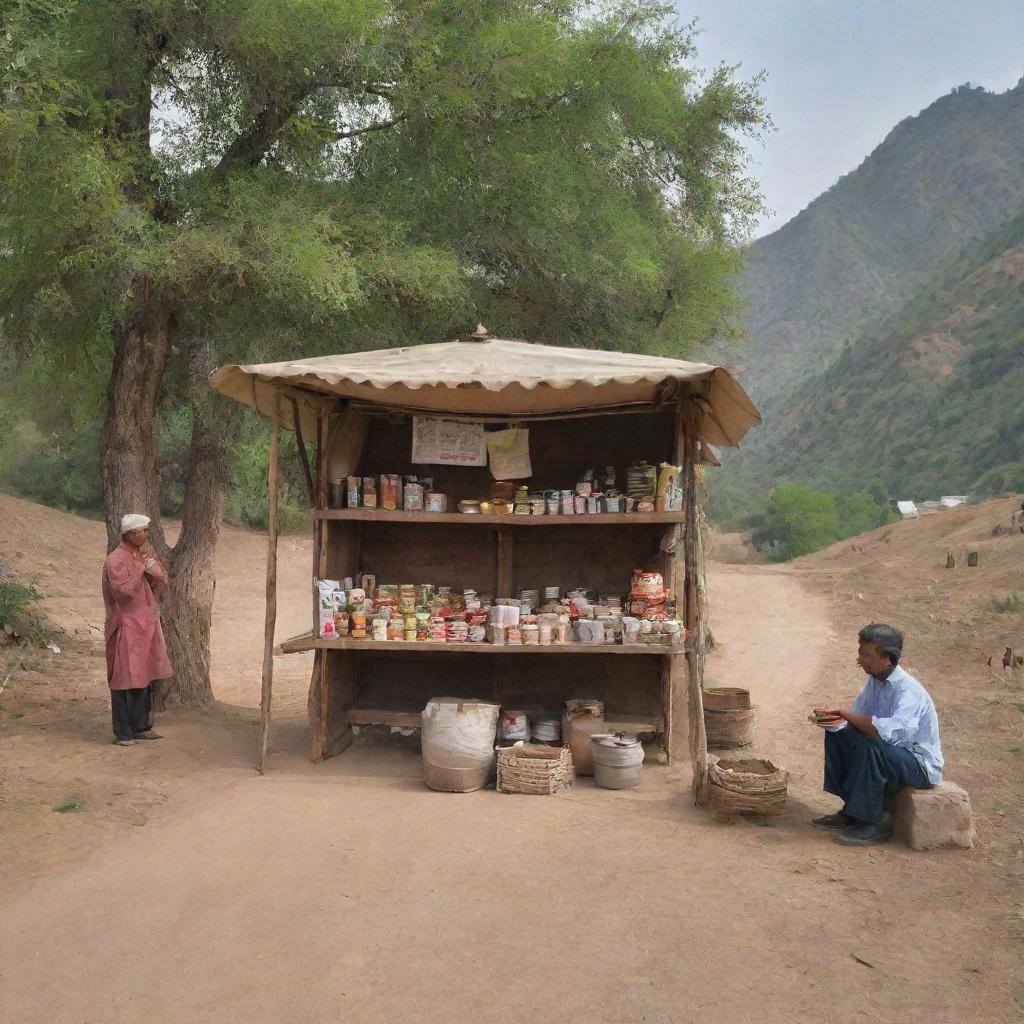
{"x": 310, "y": 643}
{"x": 414, "y": 720}
{"x": 376, "y": 515}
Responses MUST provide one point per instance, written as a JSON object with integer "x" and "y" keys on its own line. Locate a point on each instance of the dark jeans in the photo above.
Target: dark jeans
{"x": 864, "y": 769}
{"x": 132, "y": 711}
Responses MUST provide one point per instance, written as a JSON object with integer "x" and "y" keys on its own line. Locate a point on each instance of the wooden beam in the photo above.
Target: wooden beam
{"x": 692, "y": 617}
{"x": 270, "y": 618}
{"x": 307, "y": 474}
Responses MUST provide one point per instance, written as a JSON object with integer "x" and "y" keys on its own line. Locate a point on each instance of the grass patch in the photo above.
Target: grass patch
{"x": 11, "y": 712}
{"x": 70, "y": 804}
{"x": 1011, "y": 602}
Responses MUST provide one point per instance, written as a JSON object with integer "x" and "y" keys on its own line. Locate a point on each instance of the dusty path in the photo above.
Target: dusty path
{"x": 349, "y": 893}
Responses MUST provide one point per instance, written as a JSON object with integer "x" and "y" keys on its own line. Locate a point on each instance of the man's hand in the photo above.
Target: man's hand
{"x": 862, "y": 723}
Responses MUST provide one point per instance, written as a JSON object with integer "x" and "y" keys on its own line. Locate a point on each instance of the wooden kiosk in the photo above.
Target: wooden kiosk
{"x": 353, "y": 416}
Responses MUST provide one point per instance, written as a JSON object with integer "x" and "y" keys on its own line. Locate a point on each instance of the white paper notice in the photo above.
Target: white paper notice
{"x": 447, "y": 442}
{"x": 510, "y": 453}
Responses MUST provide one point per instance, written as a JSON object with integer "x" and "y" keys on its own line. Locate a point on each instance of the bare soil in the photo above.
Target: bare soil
{"x": 180, "y": 886}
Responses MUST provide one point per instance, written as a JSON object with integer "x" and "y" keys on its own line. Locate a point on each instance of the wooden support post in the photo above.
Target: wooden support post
{"x": 300, "y": 441}
{"x": 337, "y": 552}
{"x": 673, "y": 672}
{"x": 693, "y": 618}
{"x": 270, "y": 620}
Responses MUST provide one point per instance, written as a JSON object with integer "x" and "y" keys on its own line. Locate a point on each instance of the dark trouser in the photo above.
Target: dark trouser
{"x": 864, "y": 769}
{"x": 132, "y": 711}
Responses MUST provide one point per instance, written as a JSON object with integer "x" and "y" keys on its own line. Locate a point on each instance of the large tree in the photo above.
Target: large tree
{"x": 186, "y": 183}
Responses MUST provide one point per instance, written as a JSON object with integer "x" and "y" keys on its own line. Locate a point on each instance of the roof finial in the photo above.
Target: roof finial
{"x": 480, "y": 334}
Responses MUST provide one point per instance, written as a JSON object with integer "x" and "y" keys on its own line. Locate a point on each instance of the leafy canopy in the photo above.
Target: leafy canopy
{"x": 323, "y": 174}
{"x": 297, "y": 177}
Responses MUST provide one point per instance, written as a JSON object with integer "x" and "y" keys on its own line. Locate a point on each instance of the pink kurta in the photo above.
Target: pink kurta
{"x": 136, "y": 654}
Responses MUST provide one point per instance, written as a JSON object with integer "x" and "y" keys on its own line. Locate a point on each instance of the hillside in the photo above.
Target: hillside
{"x": 930, "y": 401}
{"x": 939, "y": 184}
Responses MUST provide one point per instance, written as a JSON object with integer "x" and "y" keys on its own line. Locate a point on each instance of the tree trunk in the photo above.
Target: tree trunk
{"x": 131, "y": 479}
{"x": 131, "y": 483}
{"x": 188, "y": 611}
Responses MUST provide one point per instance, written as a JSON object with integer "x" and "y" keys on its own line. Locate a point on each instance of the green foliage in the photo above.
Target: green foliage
{"x": 859, "y": 513}
{"x": 17, "y": 608}
{"x": 801, "y": 519}
{"x": 288, "y": 178}
{"x": 1012, "y": 602}
{"x": 16, "y": 598}
{"x": 71, "y": 804}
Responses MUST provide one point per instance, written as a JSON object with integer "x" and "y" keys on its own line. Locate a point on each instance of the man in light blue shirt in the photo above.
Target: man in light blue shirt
{"x": 887, "y": 739}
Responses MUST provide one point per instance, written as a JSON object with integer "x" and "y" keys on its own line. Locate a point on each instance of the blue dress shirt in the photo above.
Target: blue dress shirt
{"x": 904, "y": 715}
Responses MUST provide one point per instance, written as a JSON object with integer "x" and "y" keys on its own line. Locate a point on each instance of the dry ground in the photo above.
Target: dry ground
{"x": 187, "y": 889}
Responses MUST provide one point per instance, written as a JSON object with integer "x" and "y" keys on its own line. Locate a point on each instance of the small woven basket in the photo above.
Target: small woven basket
{"x": 534, "y": 768}
{"x": 750, "y": 786}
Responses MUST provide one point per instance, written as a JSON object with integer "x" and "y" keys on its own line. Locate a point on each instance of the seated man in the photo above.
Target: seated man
{"x": 888, "y": 739}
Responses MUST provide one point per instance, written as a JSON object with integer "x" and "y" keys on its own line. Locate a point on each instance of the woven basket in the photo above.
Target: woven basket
{"x": 726, "y": 698}
{"x": 748, "y": 786}
{"x": 729, "y": 727}
{"x": 534, "y": 768}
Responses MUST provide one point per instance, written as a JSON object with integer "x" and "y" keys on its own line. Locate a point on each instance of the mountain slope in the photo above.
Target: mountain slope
{"x": 930, "y": 401}
{"x": 939, "y": 184}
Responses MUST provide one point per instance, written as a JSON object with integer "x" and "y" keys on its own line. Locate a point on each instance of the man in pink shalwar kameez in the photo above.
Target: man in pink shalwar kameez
{"x": 133, "y": 584}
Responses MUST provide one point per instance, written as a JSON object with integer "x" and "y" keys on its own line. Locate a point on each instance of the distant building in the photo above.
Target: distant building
{"x": 907, "y": 509}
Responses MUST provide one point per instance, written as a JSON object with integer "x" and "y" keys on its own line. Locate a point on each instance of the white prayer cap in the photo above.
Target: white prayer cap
{"x": 133, "y": 522}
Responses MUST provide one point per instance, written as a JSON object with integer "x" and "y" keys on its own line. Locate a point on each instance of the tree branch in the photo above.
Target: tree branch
{"x": 249, "y": 148}
{"x": 379, "y": 126}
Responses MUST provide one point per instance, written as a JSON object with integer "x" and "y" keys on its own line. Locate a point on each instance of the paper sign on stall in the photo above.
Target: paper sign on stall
{"x": 448, "y": 442}
{"x": 509, "y": 451}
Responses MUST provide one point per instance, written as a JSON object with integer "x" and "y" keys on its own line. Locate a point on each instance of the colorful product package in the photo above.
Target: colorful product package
{"x": 327, "y": 605}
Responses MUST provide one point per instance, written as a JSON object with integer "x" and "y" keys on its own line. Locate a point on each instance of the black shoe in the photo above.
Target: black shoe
{"x": 833, "y": 821}
{"x": 867, "y": 835}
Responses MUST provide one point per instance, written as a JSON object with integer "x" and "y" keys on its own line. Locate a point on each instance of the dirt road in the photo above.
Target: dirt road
{"x": 195, "y": 891}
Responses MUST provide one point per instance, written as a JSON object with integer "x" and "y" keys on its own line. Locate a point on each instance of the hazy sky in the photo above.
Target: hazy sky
{"x": 842, "y": 73}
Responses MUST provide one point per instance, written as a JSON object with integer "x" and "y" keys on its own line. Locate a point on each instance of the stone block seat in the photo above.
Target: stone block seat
{"x": 926, "y": 819}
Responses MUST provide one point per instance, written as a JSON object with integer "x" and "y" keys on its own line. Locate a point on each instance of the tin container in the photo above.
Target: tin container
{"x": 390, "y": 493}
{"x": 437, "y": 502}
{"x": 337, "y": 496}
{"x": 369, "y": 492}
{"x": 353, "y": 488}
{"x": 413, "y": 498}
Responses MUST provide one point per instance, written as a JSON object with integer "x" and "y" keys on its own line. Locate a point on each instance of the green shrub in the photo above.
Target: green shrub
{"x": 801, "y": 519}
{"x": 1012, "y": 602}
{"x": 16, "y": 598}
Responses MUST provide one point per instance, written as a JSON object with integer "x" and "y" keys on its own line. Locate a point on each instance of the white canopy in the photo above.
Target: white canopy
{"x": 493, "y": 377}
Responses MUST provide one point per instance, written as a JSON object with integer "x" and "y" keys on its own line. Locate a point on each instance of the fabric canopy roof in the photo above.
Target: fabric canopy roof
{"x": 493, "y": 377}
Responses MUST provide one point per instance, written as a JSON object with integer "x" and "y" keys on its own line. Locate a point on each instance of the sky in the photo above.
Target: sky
{"x": 843, "y": 73}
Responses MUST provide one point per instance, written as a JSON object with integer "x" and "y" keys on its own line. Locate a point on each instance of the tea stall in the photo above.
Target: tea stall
{"x": 503, "y": 520}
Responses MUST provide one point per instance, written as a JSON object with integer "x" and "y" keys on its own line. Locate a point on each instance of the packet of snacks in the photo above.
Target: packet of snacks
{"x": 328, "y": 593}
